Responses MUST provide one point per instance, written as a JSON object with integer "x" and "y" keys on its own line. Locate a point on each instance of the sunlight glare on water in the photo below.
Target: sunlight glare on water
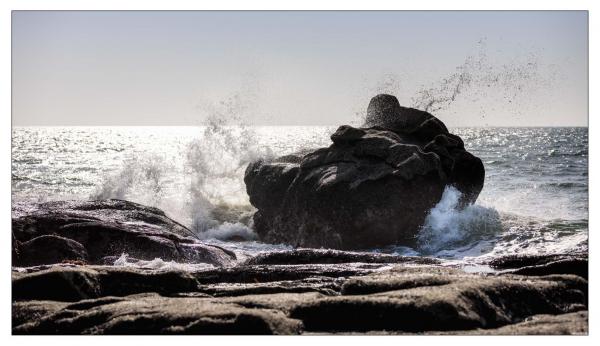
{"x": 536, "y": 180}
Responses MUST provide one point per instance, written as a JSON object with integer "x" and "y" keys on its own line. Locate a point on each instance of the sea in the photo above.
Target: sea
{"x": 534, "y": 201}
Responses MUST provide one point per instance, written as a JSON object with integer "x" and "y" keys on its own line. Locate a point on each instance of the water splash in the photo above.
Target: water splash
{"x": 480, "y": 84}
{"x": 216, "y": 160}
{"x": 211, "y": 163}
{"x": 448, "y": 226}
{"x": 140, "y": 178}
{"x": 509, "y": 83}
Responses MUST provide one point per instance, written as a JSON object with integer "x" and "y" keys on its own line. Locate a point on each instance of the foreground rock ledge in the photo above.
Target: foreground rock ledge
{"x": 372, "y": 187}
{"x": 336, "y": 295}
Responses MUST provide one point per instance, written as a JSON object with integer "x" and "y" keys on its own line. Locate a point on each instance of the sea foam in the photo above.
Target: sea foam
{"x": 449, "y": 226}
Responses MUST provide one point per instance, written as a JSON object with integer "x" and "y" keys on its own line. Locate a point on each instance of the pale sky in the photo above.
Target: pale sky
{"x": 525, "y": 68}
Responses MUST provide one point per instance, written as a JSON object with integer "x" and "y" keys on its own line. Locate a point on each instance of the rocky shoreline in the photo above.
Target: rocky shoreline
{"x": 302, "y": 291}
{"x": 306, "y": 292}
{"x": 372, "y": 187}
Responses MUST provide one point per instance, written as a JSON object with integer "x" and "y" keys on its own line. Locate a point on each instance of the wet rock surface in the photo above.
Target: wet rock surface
{"x": 49, "y": 249}
{"x": 320, "y": 256}
{"x": 373, "y": 186}
{"x": 574, "y": 323}
{"x": 576, "y": 264}
{"x": 154, "y": 314}
{"x": 337, "y": 293}
{"x": 88, "y": 231}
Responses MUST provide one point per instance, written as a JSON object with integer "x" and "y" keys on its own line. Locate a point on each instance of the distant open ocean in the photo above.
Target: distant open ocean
{"x": 535, "y": 198}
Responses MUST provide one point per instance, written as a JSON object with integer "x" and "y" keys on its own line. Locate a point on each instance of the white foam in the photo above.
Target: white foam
{"x": 159, "y": 264}
{"x": 448, "y": 226}
{"x": 228, "y": 230}
{"x": 532, "y": 201}
{"x": 188, "y": 180}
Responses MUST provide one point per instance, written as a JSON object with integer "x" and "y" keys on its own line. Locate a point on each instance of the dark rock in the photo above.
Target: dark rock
{"x": 61, "y": 284}
{"x": 526, "y": 260}
{"x": 153, "y": 314}
{"x": 104, "y": 228}
{"x": 320, "y": 256}
{"x": 277, "y": 301}
{"x": 298, "y": 298}
{"x": 385, "y": 111}
{"x": 33, "y": 310}
{"x": 272, "y": 273}
{"x": 403, "y": 279}
{"x": 49, "y": 249}
{"x": 322, "y": 285}
{"x": 408, "y": 302}
{"x": 575, "y": 323}
{"x": 372, "y": 187}
{"x": 566, "y": 266}
{"x": 72, "y": 283}
{"x": 28, "y": 218}
{"x": 576, "y": 264}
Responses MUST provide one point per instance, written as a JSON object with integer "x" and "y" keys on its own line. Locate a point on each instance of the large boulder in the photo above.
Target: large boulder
{"x": 53, "y": 232}
{"x": 373, "y": 186}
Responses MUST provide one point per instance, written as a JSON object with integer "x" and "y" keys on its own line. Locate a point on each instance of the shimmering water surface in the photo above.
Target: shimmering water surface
{"x": 535, "y": 198}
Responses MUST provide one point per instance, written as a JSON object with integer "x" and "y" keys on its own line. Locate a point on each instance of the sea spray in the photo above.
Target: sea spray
{"x": 487, "y": 83}
{"x": 140, "y": 178}
{"x": 479, "y": 85}
{"x": 211, "y": 166}
{"x": 214, "y": 164}
{"x": 189, "y": 183}
{"x": 448, "y": 226}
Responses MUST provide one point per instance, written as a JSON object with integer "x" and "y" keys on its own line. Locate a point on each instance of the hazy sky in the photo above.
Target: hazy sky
{"x": 306, "y": 68}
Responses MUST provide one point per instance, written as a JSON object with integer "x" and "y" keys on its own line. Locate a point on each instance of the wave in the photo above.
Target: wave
{"x": 449, "y": 226}
{"x": 201, "y": 184}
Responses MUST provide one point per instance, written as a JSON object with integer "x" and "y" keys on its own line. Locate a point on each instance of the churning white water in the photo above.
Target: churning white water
{"x": 449, "y": 226}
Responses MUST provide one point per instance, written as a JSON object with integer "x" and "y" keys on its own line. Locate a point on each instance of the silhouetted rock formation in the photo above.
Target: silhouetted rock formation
{"x": 372, "y": 187}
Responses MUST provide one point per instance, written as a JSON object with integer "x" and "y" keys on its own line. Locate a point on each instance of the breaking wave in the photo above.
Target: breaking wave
{"x": 193, "y": 183}
{"x": 449, "y": 226}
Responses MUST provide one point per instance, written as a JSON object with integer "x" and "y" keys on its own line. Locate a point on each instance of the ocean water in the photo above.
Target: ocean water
{"x": 535, "y": 198}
